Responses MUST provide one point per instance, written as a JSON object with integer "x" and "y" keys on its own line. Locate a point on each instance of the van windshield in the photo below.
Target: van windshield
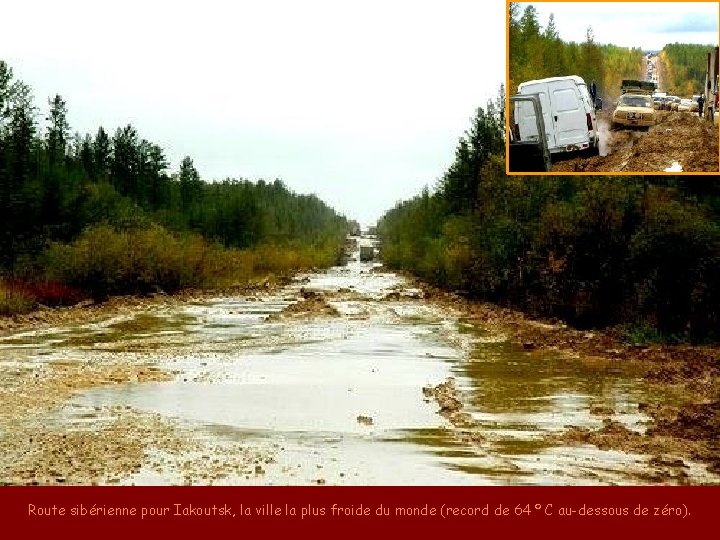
{"x": 635, "y": 101}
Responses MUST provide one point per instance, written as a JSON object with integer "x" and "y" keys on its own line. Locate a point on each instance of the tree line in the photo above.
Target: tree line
{"x": 537, "y": 53}
{"x": 637, "y": 253}
{"x": 57, "y": 187}
{"x": 683, "y": 68}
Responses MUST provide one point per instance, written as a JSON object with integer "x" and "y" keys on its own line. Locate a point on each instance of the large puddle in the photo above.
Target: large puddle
{"x": 338, "y": 399}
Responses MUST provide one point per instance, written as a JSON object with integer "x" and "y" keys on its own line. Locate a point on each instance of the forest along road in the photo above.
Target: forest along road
{"x": 679, "y": 141}
{"x": 348, "y": 376}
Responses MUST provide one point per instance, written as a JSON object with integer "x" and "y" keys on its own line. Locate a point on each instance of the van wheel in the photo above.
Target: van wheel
{"x": 592, "y": 151}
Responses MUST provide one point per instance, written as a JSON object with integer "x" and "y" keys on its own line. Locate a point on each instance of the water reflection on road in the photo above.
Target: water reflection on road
{"x": 338, "y": 399}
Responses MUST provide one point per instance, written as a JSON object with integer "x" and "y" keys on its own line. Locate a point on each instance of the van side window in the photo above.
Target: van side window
{"x": 565, "y": 100}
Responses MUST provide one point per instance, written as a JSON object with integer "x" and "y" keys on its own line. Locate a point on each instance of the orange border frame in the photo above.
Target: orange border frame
{"x": 578, "y": 173}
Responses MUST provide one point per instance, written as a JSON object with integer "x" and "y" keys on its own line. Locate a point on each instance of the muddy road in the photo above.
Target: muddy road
{"x": 349, "y": 376}
{"x": 678, "y": 142}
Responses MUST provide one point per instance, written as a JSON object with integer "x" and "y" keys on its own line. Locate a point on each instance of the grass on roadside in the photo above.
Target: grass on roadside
{"x": 14, "y": 300}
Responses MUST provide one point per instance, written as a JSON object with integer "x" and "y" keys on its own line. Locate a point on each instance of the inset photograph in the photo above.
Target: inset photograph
{"x": 612, "y": 87}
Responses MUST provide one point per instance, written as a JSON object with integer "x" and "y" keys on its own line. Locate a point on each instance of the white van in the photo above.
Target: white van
{"x": 568, "y": 112}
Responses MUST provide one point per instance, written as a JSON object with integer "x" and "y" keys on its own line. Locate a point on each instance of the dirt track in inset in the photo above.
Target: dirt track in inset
{"x": 677, "y": 137}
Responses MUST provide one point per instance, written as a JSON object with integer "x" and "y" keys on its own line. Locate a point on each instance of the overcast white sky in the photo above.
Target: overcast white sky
{"x": 647, "y": 25}
{"x": 358, "y": 101}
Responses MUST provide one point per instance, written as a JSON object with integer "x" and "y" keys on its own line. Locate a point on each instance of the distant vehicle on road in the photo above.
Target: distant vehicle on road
{"x": 668, "y": 101}
{"x": 684, "y": 105}
{"x": 637, "y": 87}
{"x": 367, "y": 251}
{"x": 659, "y": 99}
{"x": 634, "y": 110}
{"x": 694, "y": 106}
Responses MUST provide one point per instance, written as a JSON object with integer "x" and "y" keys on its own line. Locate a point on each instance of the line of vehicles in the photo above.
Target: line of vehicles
{"x": 663, "y": 102}
{"x": 708, "y": 96}
{"x": 652, "y": 72}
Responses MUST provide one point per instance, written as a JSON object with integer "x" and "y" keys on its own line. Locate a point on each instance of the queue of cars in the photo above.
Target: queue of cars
{"x": 639, "y": 102}
{"x": 675, "y": 103}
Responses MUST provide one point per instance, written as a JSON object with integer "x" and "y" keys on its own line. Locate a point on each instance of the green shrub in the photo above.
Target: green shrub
{"x": 644, "y": 333}
{"x": 675, "y": 260}
{"x": 14, "y": 300}
{"x": 105, "y": 261}
{"x": 594, "y": 252}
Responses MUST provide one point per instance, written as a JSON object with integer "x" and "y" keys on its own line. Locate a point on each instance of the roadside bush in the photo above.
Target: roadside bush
{"x": 580, "y": 253}
{"x": 14, "y": 300}
{"x": 643, "y": 333}
{"x": 104, "y": 261}
{"x": 289, "y": 257}
{"x": 595, "y": 252}
{"x": 675, "y": 258}
{"x": 494, "y": 269}
{"x": 47, "y": 293}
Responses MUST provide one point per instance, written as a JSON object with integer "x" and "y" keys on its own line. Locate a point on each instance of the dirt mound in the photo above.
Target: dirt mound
{"x": 447, "y": 396}
{"x": 311, "y": 304}
{"x": 677, "y": 137}
{"x": 612, "y": 435}
{"x": 404, "y": 294}
{"x": 695, "y": 421}
{"x": 693, "y": 365}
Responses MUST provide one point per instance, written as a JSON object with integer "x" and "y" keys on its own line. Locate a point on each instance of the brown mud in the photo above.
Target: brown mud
{"x": 679, "y": 137}
{"x": 89, "y": 311}
{"x": 38, "y": 445}
{"x": 690, "y": 427}
{"x": 311, "y": 303}
{"x": 39, "y": 448}
{"x": 450, "y": 400}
